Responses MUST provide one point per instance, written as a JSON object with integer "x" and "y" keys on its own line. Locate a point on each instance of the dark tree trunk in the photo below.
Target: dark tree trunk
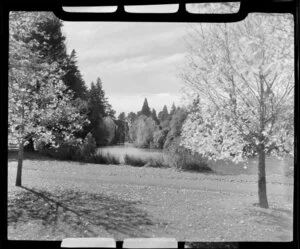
{"x": 20, "y": 165}
{"x": 262, "y": 184}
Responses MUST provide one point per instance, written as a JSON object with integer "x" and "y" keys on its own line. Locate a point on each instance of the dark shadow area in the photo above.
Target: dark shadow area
{"x": 275, "y": 217}
{"x": 12, "y": 155}
{"x": 81, "y": 213}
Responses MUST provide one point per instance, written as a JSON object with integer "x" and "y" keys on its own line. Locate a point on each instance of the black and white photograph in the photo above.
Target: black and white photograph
{"x": 151, "y": 129}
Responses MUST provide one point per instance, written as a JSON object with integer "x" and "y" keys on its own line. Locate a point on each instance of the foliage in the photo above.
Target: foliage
{"x": 122, "y": 116}
{"x": 100, "y": 114}
{"x": 159, "y": 138}
{"x": 88, "y": 147}
{"x": 246, "y": 88}
{"x": 177, "y": 120}
{"x": 73, "y": 78}
{"x": 145, "y": 109}
{"x": 106, "y": 131}
{"x": 145, "y": 127}
{"x": 39, "y": 103}
{"x": 163, "y": 115}
{"x": 182, "y": 158}
{"x": 154, "y": 116}
{"x": 243, "y": 73}
{"x": 122, "y": 129}
{"x": 100, "y": 158}
{"x": 134, "y": 161}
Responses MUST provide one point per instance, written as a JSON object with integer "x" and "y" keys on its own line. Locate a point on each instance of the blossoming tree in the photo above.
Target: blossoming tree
{"x": 243, "y": 75}
{"x": 40, "y": 106}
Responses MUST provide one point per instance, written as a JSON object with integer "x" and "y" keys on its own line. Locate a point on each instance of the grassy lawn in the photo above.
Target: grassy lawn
{"x": 68, "y": 199}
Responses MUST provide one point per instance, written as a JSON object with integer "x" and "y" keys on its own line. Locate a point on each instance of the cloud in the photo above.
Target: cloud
{"x": 140, "y": 63}
{"x": 130, "y": 58}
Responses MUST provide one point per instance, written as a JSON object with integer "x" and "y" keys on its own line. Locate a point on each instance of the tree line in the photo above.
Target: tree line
{"x": 146, "y": 129}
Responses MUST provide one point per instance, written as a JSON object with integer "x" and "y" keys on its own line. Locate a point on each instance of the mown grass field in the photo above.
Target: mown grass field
{"x": 68, "y": 199}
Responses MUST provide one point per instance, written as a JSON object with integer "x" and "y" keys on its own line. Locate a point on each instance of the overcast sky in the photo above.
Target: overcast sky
{"x": 133, "y": 60}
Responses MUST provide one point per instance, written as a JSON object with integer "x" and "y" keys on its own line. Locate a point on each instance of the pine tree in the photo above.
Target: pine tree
{"x": 145, "y": 109}
{"x": 122, "y": 116}
{"x": 163, "y": 115}
{"x": 99, "y": 108}
{"x": 51, "y": 46}
{"x": 154, "y": 116}
{"x": 173, "y": 109}
{"x": 73, "y": 78}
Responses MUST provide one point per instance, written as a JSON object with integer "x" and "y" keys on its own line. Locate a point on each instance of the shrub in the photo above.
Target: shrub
{"x": 87, "y": 149}
{"x": 64, "y": 152}
{"x": 69, "y": 150}
{"x": 183, "y": 159}
{"x": 100, "y": 158}
{"x": 134, "y": 161}
{"x": 155, "y": 162}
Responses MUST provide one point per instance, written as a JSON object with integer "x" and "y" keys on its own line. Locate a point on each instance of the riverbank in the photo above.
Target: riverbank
{"x": 273, "y": 165}
{"x": 70, "y": 199}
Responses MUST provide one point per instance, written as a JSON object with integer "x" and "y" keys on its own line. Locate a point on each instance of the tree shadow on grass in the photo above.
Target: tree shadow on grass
{"x": 80, "y": 213}
{"x": 12, "y": 155}
{"x": 278, "y": 218}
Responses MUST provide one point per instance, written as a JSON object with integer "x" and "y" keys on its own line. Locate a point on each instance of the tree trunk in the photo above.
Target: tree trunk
{"x": 20, "y": 165}
{"x": 262, "y": 185}
{"x": 30, "y": 146}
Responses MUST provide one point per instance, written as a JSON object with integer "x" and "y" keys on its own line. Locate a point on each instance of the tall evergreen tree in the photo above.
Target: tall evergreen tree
{"x": 164, "y": 114}
{"x": 73, "y": 78}
{"x": 145, "y": 109}
{"x": 154, "y": 116}
{"x": 122, "y": 116}
{"x": 99, "y": 108}
{"x": 51, "y": 46}
{"x": 173, "y": 109}
{"x": 96, "y": 110}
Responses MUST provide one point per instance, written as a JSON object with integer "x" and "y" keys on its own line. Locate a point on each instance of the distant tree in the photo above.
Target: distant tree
{"x": 99, "y": 109}
{"x": 109, "y": 110}
{"x": 145, "y": 127}
{"x": 131, "y": 118}
{"x": 122, "y": 116}
{"x": 122, "y": 131}
{"x": 107, "y": 130}
{"x": 178, "y": 118}
{"x": 96, "y": 110}
{"x": 154, "y": 116}
{"x": 163, "y": 116}
{"x": 145, "y": 109}
{"x": 159, "y": 138}
{"x": 173, "y": 110}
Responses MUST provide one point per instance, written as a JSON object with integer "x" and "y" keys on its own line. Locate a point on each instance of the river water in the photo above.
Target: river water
{"x": 273, "y": 165}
